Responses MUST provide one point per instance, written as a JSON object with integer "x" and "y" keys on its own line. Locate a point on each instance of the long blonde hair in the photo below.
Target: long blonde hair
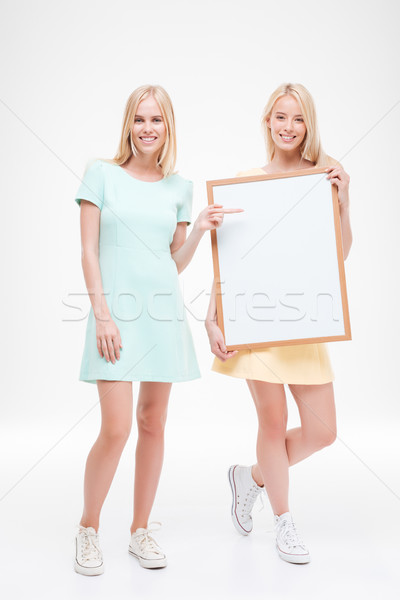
{"x": 310, "y": 148}
{"x": 167, "y": 156}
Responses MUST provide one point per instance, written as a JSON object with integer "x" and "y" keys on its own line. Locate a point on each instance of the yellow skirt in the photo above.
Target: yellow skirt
{"x": 302, "y": 364}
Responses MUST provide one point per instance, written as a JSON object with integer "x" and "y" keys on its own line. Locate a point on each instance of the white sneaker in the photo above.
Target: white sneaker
{"x": 146, "y": 549}
{"x": 288, "y": 543}
{"x": 244, "y": 493}
{"x": 88, "y": 555}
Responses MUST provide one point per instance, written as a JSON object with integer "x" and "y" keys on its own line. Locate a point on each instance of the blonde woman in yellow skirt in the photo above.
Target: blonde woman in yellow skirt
{"x": 292, "y": 142}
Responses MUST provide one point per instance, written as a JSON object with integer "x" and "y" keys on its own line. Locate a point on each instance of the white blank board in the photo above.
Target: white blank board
{"x": 278, "y": 262}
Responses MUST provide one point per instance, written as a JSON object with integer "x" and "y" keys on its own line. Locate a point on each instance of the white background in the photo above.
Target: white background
{"x": 68, "y": 69}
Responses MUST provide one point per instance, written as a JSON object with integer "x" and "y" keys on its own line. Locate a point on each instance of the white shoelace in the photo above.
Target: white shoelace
{"x": 264, "y": 503}
{"x": 262, "y": 494}
{"x": 146, "y": 542}
{"x": 250, "y": 498}
{"x": 90, "y": 548}
{"x": 290, "y": 535}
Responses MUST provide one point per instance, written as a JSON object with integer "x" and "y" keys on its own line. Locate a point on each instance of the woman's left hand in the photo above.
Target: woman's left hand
{"x": 212, "y": 217}
{"x": 339, "y": 177}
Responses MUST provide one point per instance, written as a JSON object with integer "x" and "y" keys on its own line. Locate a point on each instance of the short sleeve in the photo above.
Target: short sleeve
{"x": 184, "y": 212}
{"x": 92, "y": 186}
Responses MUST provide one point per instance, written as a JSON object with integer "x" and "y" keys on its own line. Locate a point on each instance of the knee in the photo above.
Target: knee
{"x": 274, "y": 429}
{"x": 115, "y": 436}
{"x": 330, "y": 437}
{"x": 151, "y": 422}
{"x": 322, "y": 439}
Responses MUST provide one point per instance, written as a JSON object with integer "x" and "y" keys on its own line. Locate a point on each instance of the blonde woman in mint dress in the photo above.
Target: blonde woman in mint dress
{"x": 292, "y": 141}
{"x": 134, "y": 215}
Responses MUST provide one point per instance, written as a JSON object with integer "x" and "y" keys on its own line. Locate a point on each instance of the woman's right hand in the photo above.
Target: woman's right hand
{"x": 217, "y": 342}
{"x": 108, "y": 339}
{"x": 212, "y": 216}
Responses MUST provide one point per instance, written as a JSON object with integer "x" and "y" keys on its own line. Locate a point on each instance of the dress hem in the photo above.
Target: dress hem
{"x": 150, "y": 378}
{"x": 244, "y": 376}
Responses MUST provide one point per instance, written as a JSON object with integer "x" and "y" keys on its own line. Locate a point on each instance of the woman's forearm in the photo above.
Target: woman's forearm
{"x": 347, "y": 236}
{"x": 211, "y": 318}
{"x": 92, "y": 275}
{"x": 184, "y": 254}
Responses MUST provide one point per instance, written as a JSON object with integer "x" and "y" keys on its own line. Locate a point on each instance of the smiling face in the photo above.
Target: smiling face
{"x": 286, "y": 123}
{"x": 148, "y": 130}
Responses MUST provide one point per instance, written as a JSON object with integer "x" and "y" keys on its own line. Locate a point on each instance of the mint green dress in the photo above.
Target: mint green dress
{"x": 140, "y": 278}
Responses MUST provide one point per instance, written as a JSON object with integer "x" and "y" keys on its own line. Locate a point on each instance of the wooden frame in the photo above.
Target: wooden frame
{"x": 279, "y": 200}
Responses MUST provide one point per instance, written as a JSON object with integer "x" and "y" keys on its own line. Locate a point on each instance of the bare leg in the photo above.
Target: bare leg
{"x": 103, "y": 458}
{"x": 151, "y": 418}
{"x": 317, "y": 411}
{"x": 273, "y": 463}
{"x": 316, "y": 406}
